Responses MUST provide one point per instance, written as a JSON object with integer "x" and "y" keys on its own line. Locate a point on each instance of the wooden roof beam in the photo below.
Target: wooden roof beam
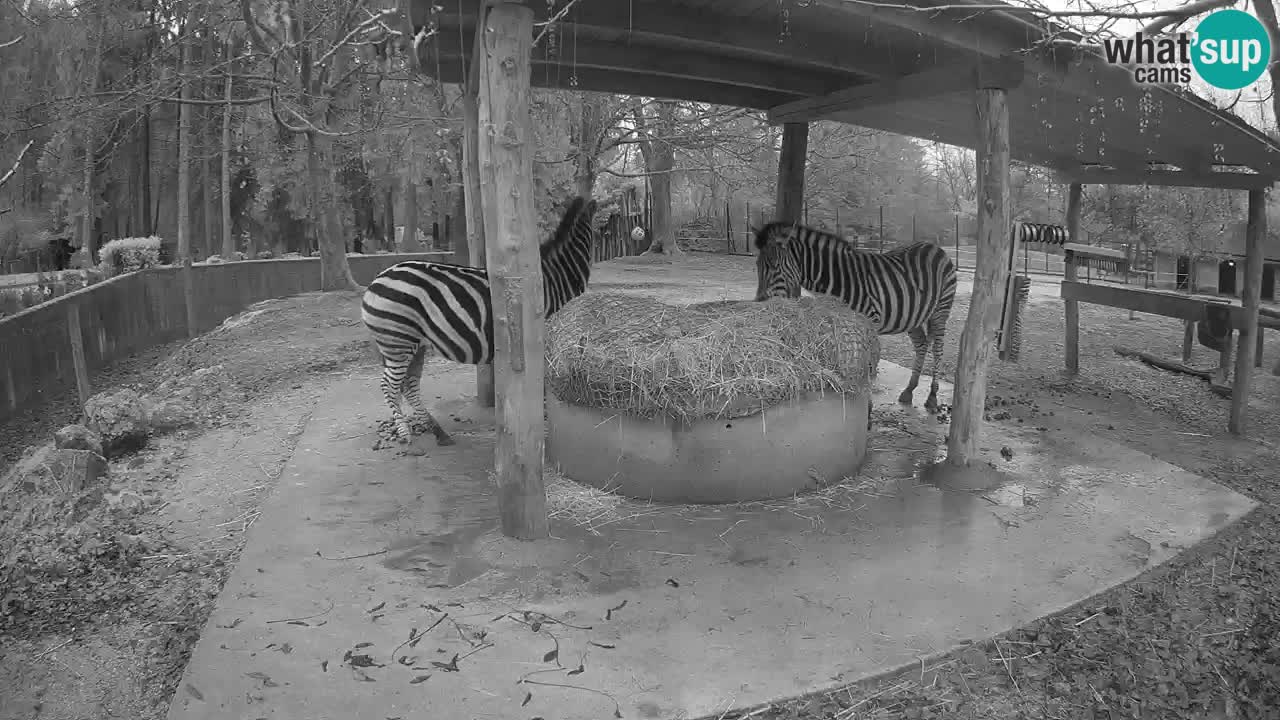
{"x": 945, "y": 26}
{"x": 675, "y": 63}
{"x": 1006, "y": 72}
{"x": 1166, "y": 178}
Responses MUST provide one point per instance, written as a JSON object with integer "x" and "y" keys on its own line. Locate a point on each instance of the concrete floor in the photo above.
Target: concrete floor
{"x": 669, "y": 612}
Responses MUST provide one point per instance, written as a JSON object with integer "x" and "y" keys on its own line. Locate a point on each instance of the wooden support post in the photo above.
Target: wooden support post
{"x": 791, "y": 162}
{"x": 1075, "y": 195}
{"x": 1251, "y": 297}
{"x": 515, "y": 271}
{"x": 475, "y": 245}
{"x": 76, "y": 336}
{"x": 1188, "y": 339}
{"x": 189, "y": 295}
{"x": 989, "y": 277}
{"x": 1257, "y": 356}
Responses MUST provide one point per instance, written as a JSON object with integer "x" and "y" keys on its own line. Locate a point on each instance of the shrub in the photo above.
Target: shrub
{"x": 129, "y": 254}
{"x": 265, "y": 254}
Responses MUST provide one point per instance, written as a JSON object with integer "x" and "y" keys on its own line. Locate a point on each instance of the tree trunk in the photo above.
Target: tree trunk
{"x": 335, "y": 273}
{"x": 410, "y": 241}
{"x": 228, "y": 240}
{"x": 587, "y": 143}
{"x": 88, "y": 239}
{"x": 389, "y": 220}
{"x": 210, "y": 163}
{"x": 659, "y": 161}
{"x": 184, "y": 154}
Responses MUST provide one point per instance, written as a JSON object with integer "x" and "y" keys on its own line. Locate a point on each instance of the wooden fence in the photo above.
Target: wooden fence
{"x": 134, "y": 312}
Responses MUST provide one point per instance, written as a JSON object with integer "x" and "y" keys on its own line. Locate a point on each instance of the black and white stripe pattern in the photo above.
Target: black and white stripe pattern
{"x": 909, "y": 289}
{"x": 415, "y": 304}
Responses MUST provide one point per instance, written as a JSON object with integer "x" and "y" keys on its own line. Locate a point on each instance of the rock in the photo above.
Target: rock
{"x": 125, "y": 500}
{"x": 51, "y": 470}
{"x": 77, "y": 437}
{"x": 171, "y": 414}
{"x": 78, "y": 470}
{"x": 120, "y": 418}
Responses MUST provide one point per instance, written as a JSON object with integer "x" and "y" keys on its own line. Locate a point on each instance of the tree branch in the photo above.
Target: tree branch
{"x": 9, "y": 43}
{"x": 16, "y": 163}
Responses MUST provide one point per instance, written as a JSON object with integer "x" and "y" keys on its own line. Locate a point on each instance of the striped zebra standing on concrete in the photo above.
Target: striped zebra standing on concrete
{"x": 908, "y": 289}
{"x": 415, "y": 304}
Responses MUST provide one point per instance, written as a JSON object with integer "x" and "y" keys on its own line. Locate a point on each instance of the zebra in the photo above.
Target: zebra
{"x": 908, "y": 289}
{"x": 413, "y": 304}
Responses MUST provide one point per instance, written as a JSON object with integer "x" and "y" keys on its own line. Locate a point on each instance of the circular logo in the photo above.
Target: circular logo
{"x": 1232, "y": 49}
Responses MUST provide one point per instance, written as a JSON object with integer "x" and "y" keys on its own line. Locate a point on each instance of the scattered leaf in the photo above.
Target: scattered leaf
{"x": 551, "y": 655}
{"x": 536, "y": 626}
{"x": 419, "y": 679}
{"x": 451, "y": 666}
{"x": 262, "y": 677}
{"x": 363, "y": 645}
{"x": 577, "y": 671}
{"x": 608, "y": 615}
{"x": 528, "y": 696}
{"x": 234, "y": 623}
{"x": 672, "y": 583}
{"x": 303, "y": 623}
{"x": 324, "y": 666}
{"x": 362, "y": 661}
{"x": 602, "y": 645}
{"x": 377, "y": 607}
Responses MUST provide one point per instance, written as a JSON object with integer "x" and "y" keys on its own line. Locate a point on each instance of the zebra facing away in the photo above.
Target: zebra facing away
{"x": 908, "y": 289}
{"x": 413, "y": 304}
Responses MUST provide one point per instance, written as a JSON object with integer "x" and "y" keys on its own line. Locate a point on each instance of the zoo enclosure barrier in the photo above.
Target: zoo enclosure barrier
{"x": 41, "y": 347}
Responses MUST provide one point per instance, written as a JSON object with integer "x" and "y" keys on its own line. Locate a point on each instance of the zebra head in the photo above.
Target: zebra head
{"x": 776, "y": 266}
{"x": 566, "y": 256}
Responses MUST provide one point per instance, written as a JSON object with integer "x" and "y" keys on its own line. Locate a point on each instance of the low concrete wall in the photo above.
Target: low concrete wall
{"x": 772, "y": 454}
{"x": 140, "y": 310}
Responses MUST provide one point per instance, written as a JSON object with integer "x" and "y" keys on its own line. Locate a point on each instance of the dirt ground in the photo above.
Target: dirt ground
{"x": 1193, "y": 639}
{"x": 121, "y": 599}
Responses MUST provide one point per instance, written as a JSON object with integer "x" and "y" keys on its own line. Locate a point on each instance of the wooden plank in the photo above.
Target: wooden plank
{"x": 993, "y": 243}
{"x": 1081, "y": 250}
{"x": 511, "y": 248}
{"x": 1075, "y": 194}
{"x": 791, "y": 166}
{"x": 1251, "y": 297}
{"x": 592, "y": 48}
{"x": 76, "y": 335}
{"x": 1166, "y": 178}
{"x": 475, "y": 244}
{"x": 947, "y": 80}
{"x": 1144, "y": 301}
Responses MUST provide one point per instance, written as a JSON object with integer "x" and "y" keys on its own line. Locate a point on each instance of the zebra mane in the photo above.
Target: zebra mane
{"x": 781, "y": 229}
{"x": 564, "y": 231}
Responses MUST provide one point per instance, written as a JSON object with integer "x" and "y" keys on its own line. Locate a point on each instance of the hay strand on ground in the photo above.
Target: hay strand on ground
{"x": 725, "y": 359}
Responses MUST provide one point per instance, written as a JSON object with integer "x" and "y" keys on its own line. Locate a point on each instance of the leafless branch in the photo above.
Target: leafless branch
{"x": 16, "y": 163}
{"x": 1186, "y": 11}
{"x": 12, "y": 42}
{"x": 552, "y": 20}
{"x": 363, "y": 26}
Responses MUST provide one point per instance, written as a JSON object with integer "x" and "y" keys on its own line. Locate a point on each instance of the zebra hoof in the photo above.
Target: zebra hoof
{"x": 931, "y": 405}
{"x": 443, "y": 439}
{"x": 905, "y": 397}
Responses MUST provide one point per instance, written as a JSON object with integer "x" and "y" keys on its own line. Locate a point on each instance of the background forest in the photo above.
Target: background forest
{"x": 134, "y": 118}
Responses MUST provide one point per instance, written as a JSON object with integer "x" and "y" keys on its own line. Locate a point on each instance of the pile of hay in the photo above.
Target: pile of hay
{"x": 724, "y": 359}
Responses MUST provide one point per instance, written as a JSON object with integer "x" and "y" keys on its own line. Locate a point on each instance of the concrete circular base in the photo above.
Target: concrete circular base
{"x": 772, "y": 454}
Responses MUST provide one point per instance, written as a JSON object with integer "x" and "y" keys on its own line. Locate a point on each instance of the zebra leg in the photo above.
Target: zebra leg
{"x": 393, "y": 372}
{"x": 921, "y": 345}
{"x": 413, "y": 393}
{"x": 937, "y": 329}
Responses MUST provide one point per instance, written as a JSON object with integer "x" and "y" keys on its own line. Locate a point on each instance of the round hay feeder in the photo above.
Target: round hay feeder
{"x": 710, "y": 403}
